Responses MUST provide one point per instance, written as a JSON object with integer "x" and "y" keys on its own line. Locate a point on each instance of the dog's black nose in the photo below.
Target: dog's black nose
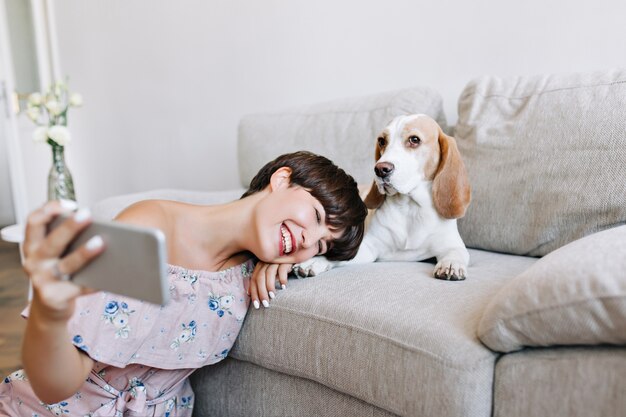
{"x": 383, "y": 169}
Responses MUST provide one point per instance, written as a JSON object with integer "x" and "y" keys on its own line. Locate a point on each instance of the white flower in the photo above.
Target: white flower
{"x": 76, "y": 100}
{"x": 54, "y": 107}
{"x": 120, "y": 321}
{"x": 40, "y": 134}
{"x": 33, "y": 113}
{"x": 59, "y": 87}
{"x": 35, "y": 99}
{"x": 60, "y": 134}
{"x": 226, "y": 301}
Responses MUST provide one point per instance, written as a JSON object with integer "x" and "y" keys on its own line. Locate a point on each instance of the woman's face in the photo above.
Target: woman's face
{"x": 291, "y": 225}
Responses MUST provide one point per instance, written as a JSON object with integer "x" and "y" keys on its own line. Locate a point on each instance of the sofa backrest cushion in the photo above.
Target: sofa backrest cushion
{"x": 546, "y": 156}
{"x": 343, "y": 130}
{"x": 108, "y": 208}
{"x": 575, "y": 295}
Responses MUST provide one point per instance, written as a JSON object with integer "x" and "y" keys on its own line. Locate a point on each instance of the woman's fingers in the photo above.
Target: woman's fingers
{"x": 49, "y": 272}
{"x": 53, "y": 270}
{"x": 78, "y": 259}
{"x": 283, "y": 272}
{"x": 263, "y": 282}
{"x": 270, "y": 280}
{"x": 37, "y": 223}
{"x": 254, "y": 283}
{"x": 57, "y": 240}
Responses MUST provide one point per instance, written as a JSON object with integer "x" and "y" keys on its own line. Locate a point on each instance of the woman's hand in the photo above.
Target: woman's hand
{"x": 49, "y": 272}
{"x": 263, "y": 282}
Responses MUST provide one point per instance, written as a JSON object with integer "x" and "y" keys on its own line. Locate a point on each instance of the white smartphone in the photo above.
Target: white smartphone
{"x": 133, "y": 264}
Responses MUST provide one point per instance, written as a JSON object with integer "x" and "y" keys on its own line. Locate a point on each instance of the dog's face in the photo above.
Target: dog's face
{"x": 413, "y": 149}
{"x": 407, "y": 153}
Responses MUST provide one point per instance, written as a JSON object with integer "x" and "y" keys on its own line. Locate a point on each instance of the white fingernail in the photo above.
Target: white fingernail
{"x": 272, "y": 294}
{"x": 283, "y": 286}
{"x": 256, "y": 304}
{"x": 266, "y": 304}
{"x": 94, "y": 243}
{"x": 82, "y": 215}
{"x": 68, "y": 204}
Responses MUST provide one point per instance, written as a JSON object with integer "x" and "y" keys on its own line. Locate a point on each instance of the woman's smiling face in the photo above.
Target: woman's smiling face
{"x": 291, "y": 223}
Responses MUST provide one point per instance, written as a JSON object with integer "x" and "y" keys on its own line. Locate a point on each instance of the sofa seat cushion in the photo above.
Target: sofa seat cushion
{"x": 545, "y": 155}
{"x": 343, "y": 130}
{"x": 572, "y": 382}
{"x": 386, "y": 333}
{"x": 575, "y": 295}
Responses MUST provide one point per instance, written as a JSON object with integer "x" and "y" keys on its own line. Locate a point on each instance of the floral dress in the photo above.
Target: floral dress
{"x": 143, "y": 352}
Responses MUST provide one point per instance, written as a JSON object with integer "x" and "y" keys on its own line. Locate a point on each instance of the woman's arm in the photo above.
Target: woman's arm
{"x": 55, "y": 368}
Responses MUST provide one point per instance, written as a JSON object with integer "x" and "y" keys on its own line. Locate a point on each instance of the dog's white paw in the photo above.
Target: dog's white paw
{"x": 312, "y": 267}
{"x": 450, "y": 270}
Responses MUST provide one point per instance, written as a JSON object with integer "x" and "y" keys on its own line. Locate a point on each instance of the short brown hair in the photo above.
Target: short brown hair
{"x": 332, "y": 187}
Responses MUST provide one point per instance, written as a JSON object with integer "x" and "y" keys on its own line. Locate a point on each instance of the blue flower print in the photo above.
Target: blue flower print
{"x": 57, "y": 409}
{"x": 78, "y": 341}
{"x": 118, "y": 314}
{"x": 111, "y": 308}
{"x": 136, "y": 386}
{"x": 190, "y": 278}
{"x": 187, "y": 335}
{"x": 169, "y": 406}
{"x": 186, "y": 402}
{"x": 221, "y": 355}
{"x": 220, "y": 304}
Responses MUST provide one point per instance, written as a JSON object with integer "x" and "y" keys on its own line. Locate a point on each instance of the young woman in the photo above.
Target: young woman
{"x": 106, "y": 355}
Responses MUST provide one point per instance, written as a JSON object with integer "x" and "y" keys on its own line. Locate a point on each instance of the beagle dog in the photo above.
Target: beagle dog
{"x": 420, "y": 189}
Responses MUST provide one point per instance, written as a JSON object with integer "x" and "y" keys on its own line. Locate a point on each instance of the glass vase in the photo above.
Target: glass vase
{"x": 60, "y": 183}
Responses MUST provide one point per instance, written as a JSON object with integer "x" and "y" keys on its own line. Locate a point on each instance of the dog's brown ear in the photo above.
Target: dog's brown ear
{"x": 374, "y": 198}
{"x": 451, "y": 188}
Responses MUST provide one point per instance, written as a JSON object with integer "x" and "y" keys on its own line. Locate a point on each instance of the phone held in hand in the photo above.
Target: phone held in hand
{"x": 133, "y": 263}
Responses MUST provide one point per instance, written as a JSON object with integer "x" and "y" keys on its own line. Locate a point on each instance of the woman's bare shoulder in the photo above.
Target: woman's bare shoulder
{"x": 149, "y": 213}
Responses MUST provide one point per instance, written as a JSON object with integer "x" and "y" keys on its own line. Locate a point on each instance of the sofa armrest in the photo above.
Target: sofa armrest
{"x": 108, "y": 208}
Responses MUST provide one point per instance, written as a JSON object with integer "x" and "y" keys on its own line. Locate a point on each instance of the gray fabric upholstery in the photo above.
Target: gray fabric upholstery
{"x": 108, "y": 208}
{"x": 546, "y": 159}
{"x": 236, "y": 388}
{"x": 343, "y": 130}
{"x": 575, "y": 295}
{"x": 565, "y": 382}
{"x": 386, "y": 333}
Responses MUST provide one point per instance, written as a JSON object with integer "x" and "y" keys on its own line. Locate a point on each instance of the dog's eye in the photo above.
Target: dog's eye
{"x": 382, "y": 142}
{"x": 414, "y": 140}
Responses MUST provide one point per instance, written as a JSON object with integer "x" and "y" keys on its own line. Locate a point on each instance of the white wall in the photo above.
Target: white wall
{"x": 165, "y": 82}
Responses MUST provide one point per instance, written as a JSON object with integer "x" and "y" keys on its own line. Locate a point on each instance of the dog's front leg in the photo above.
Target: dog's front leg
{"x": 367, "y": 253}
{"x": 452, "y": 264}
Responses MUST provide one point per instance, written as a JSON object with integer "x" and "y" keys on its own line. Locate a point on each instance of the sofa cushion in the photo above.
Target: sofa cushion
{"x": 572, "y": 382}
{"x": 342, "y": 130}
{"x": 545, "y": 156}
{"x": 386, "y": 333}
{"x": 238, "y": 388}
{"x": 576, "y": 295}
{"x": 108, "y": 208}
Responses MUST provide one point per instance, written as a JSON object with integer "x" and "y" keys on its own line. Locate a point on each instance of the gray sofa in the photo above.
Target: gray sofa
{"x": 539, "y": 326}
